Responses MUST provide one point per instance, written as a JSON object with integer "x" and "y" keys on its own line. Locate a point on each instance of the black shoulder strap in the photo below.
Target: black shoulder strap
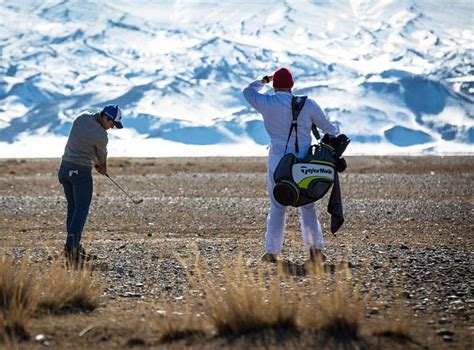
{"x": 297, "y": 103}
{"x": 315, "y": 131}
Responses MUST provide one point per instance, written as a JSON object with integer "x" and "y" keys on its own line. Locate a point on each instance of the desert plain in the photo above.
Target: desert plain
{"x": 407, "y": 241}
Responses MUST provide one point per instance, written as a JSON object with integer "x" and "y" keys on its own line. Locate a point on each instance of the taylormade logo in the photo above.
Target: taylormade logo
{"x": 304, "y": 172}
{"x": 307, "y": 171}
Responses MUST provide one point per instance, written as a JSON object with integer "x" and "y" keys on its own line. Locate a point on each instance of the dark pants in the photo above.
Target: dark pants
{"x": 78, "y": 191}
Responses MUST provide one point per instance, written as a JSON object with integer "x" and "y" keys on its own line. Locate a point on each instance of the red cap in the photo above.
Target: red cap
{"x": 282, "y": 79}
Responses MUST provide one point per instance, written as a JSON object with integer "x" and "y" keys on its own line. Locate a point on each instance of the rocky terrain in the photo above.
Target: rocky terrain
{"x": 408, "y": 234}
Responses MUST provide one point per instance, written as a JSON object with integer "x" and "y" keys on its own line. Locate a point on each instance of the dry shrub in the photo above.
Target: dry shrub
{"x": 240, "y": 299}
{"x": 247, "y": 301}
{"x": 17, "y": 300}
{"x": 396, "y": 330}
{"x": 243, "y": 301}
{"x": 397, "y": 327}
{"x": 335, "y": 306}
{"x": 177, "y": 328}
{"x": 24, "y": 290}
{"x": 62, "y": 290}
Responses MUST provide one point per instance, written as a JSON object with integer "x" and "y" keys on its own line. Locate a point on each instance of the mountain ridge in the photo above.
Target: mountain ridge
{"x": 395, "y": 76}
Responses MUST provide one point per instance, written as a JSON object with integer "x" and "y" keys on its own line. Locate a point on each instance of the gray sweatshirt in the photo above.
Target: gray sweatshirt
{"x": 87, "y": 141}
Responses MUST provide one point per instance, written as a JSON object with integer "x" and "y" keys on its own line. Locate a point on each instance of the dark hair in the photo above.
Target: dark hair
{"x": 102, "y": 114}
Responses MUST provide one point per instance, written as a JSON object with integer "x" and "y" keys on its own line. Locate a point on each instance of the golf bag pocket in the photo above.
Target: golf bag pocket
{"x": 299, "y": 181}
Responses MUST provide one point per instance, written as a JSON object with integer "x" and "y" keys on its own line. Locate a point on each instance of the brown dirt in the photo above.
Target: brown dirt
{"x": 408, "y": 219}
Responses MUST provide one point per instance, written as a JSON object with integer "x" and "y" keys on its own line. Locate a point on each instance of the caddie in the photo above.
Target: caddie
{"x": 277, "y": 116}
{"x": 86, "y": 147}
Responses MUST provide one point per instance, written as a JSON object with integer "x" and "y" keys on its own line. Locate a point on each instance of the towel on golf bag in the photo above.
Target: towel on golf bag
{"x": 299, "y": 181}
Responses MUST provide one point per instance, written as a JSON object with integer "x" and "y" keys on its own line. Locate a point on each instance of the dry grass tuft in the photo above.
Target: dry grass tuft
{"x": 25, "y": 290}
{"x": 173, "y": 330}
{"x": 341, "y": 328}
{"x": 341, "y": 307}
{"x": 397, "y": 329}
{"x": 176, "y": 325}
{"x": 239, "y": 300}
{"x": 245, "y": 302}
{"x": 68, "y": 290}
{"x": 17, "y": 300}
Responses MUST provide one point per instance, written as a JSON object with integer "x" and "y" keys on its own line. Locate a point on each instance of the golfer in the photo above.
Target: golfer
{"x": 86, "y": 147}
{"x": 277, "y": 118}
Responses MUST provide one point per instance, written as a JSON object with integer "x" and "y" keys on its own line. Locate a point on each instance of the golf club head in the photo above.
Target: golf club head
{"x": 137, "y": 201}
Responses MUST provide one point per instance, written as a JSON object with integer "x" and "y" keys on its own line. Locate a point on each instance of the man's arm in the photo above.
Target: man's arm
{"x": 252, "y": 95}
{"x": 101, "y": 155}
{"x": 322, "y": 121}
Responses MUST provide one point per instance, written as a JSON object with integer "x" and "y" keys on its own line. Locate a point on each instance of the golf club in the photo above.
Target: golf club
{"x": 137, "y": 201}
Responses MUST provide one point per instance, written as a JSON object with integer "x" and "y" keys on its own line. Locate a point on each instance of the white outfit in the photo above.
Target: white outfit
{"x": 277, "y": 118}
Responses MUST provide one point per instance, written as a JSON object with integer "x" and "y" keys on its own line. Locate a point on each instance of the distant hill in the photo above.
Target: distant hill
{"x": 397, "y": 76}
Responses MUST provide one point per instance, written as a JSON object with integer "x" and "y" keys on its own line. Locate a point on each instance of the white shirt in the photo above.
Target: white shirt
{"x": 277, "y": 118}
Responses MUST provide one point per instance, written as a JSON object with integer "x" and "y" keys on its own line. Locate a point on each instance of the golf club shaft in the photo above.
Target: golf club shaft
{"x": 116, "y": 184}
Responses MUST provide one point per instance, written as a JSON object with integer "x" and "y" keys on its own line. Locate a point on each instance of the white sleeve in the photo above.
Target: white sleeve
{"x": 252, "y": 95}
{"x": 322, "y": 121}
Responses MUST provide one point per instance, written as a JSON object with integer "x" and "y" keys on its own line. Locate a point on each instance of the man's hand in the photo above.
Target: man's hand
{"x": 267, "y": 78}
{"x": 101, "y": 169}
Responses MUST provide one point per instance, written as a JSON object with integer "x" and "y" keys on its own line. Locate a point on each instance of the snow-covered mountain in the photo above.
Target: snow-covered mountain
{"x": 397, "y": 75}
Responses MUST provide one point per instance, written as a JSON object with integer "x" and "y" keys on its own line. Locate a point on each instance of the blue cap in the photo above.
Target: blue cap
{"x": 115, "y": 113}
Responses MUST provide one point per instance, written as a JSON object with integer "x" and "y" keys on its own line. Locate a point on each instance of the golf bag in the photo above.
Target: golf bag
{"x": 299, "y": 181}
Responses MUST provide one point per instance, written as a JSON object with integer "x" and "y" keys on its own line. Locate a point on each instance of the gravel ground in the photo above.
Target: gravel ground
{"x": 409, "y": 225}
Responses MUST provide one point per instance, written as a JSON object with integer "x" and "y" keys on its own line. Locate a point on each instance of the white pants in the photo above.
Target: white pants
{"x": 310, "y": 226}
